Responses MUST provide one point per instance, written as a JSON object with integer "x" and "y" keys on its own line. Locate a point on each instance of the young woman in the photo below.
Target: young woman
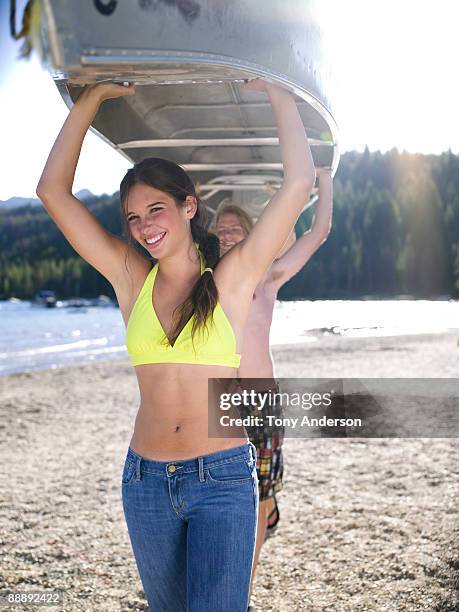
{"x": 232, "y": 225}
{"x": 190, "y": 500}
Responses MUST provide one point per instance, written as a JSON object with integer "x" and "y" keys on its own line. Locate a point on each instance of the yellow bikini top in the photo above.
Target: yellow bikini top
{"x": 145, "y": 335}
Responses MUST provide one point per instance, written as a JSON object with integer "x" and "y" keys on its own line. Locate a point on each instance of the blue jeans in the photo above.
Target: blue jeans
{"x": 192, "y": 525}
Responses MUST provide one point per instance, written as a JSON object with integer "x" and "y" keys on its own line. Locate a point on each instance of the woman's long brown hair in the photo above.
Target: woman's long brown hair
{"x": 170, "y": 178}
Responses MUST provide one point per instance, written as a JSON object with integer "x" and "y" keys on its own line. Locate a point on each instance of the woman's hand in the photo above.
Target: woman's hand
{"x": 323, "y": 171}
{"x": 271, "y": 187}
{"x": 262, "y": 85}
{"x": 254, "y": 85}
{"x": 105, "y": 91}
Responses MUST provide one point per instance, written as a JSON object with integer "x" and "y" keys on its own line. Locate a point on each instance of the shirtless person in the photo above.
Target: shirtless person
{"x": 232, "y": 225}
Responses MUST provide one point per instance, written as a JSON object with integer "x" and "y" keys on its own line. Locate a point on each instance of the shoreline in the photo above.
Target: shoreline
{"x": 366, "y": 524}
{"x": 316, "y": 346}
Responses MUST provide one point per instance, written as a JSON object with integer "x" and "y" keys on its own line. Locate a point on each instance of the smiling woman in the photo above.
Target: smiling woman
{"x": 174, "y": 213}
{"x": 185, "y": 494}
{"x": 234, "y": 224}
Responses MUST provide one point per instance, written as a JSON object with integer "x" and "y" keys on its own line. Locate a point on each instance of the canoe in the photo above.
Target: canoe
{"x": 187, "y": 59}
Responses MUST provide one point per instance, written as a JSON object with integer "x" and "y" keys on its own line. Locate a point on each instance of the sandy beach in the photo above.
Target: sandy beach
{"x": 367, "y": 525}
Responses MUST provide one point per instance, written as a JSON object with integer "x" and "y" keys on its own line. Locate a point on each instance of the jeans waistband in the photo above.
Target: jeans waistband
{"x": 237, "y": 453}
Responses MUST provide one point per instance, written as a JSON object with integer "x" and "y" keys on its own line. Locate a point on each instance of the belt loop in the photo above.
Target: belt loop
{"x": 137, "y": 468}
{"x": 201, "y": 469}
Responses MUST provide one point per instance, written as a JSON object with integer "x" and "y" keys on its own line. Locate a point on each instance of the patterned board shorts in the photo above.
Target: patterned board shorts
{"x": 268, "y": 442}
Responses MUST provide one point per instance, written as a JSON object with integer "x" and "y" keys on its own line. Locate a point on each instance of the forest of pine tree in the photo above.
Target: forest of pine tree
{"x": 395, "y": 232}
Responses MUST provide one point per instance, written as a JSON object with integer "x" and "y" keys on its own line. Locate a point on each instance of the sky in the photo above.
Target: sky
{"x": 395, "y": 85}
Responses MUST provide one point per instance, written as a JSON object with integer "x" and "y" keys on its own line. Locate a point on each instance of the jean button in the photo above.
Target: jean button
{"x": 171, "y": 469}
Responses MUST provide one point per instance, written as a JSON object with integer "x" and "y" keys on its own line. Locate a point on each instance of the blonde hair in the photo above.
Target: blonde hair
{"x": 225, "y": 207}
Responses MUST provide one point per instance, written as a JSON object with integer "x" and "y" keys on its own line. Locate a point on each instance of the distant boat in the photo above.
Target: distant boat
{"x": 45, "y": 298}
{"x": 103, "y": 301}
{"x": 77, "y": 303}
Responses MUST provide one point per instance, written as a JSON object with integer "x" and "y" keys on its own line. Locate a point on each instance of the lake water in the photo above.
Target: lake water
{"x": 35, "y": 338}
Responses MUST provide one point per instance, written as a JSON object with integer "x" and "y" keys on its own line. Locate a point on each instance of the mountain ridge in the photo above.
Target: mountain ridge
{"x": 17, "y": 201}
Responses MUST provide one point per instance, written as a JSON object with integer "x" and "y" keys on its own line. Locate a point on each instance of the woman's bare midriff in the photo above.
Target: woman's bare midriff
{"x": 173, "y": 418}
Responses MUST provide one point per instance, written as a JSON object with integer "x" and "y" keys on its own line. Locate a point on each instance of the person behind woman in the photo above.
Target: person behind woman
{"x": 232, "y": 225}
{"x": 190, "y": 500}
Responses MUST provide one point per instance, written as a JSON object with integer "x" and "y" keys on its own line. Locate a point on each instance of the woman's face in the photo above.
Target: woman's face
{"x": 155, "y": 220}
{"x": 229, "y": 231}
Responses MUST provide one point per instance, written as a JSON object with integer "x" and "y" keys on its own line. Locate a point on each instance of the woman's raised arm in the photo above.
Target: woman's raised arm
{"x": 273, "y": 227}
{"x": 94, "y": 243}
